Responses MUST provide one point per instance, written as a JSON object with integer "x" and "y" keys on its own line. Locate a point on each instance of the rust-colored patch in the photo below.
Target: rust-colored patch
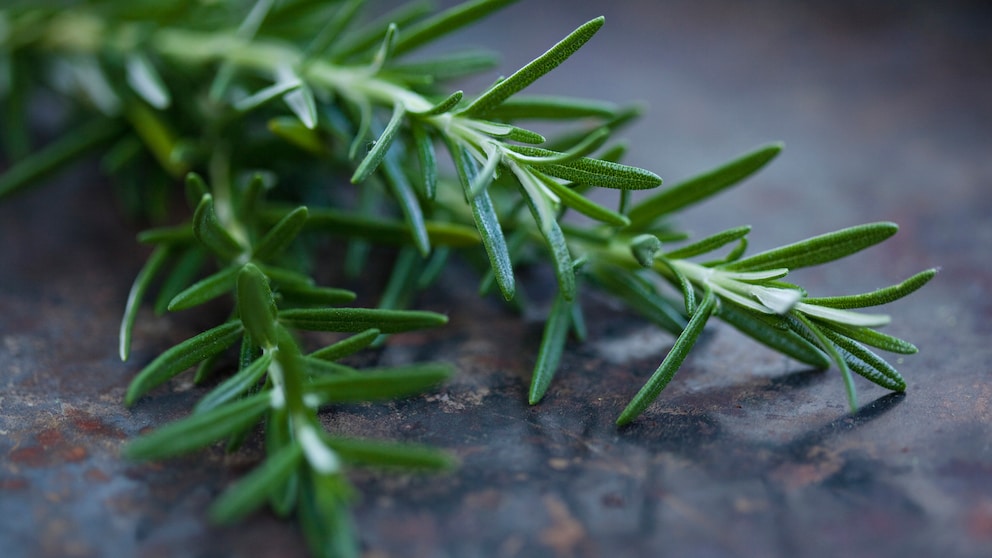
{"x": 31, "y": 456}
{"x": 565, "y": 535}
{"x": 86, "y": 423}
{"x": 96, "y": 475}
{"x": 74, "y": 454}
{"x": 14, "y": 483}
{"x": 980, "y": 520}
{"x": 49, "y": 437}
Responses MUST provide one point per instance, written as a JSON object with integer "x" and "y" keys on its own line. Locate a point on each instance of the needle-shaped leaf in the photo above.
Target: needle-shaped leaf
{"x": 300, "y": 100}
{"x": 377, "y": 384}
{"x": 443, "y": 106}
{"x": 582, "y": 204}
{"x": 486, "y": 173}
{"x": 205, "y": 290}
{"x": 784, "y": 341}
{"x": 341, "y": 18}
{"x": 700, "y": 187}
{"x": 281, "y": 235}
{"x": 486, "y": 222}
{"x": 708, "y": 244}
{"x": 877, "y": 339}
{"x": 640, "y": 297}
{"x": 359, "y": 319}
{"x": 181, "y": 357}
{"x": 547, "y": 223}
{"x": 348, "y": 346}
{"x": 183, "y": 273}
{"x": 664, "y": 374}
{"x": 380, "y": 147}
{"x": 591, "y": 142}
{"x": 360, "y": 39}
{"x": 388, "y": 231}
{"x": 546, "y": 107}
{"x": 267, "y": 94}
{"x": 446, "y": 22}
{"x": 390, "y": 454}
{"x": 68, "y": 148}
{"x": 199, "y": 430}
{"x": 385, "y": 49}
{"x": 552, "y": 344}
{"x": 427, "y": 156}
{"x": 818, "y": 249}
{"x": 137, "y": 293}
{"x": 307, "y": 295}
{"x": 233, "y": 387}
{"x": 145, "y": 81}
{"x": 527, "y": 75}
{"x": 246, "y": 495}
{"x": 682, "y": 282}
{"x": 256, "y": 307}
{"x": 878, "y": 297}
{"x": 446, "y": 66}
{"x": 587, "y": 171}
{"x": 212, "y": 233}
{"x": 867, "y": 363}
{"x": 813, "y": 333}
{"x": 406, "y": 197}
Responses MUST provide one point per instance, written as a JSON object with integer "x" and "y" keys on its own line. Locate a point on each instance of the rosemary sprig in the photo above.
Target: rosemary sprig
{"x": 272, "y": 100}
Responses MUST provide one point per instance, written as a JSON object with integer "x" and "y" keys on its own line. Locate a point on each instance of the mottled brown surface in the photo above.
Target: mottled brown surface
{"x": 886, "y": 113}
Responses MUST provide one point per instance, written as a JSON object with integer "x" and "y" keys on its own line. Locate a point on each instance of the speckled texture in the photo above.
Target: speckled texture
{"x": 886, "y": 115}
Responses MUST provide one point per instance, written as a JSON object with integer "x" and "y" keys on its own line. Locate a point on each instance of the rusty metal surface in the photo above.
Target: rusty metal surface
{"x": 886, "y": 114}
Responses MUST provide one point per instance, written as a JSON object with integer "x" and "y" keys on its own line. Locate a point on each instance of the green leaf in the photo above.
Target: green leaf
{"x": 664, "y": 374}
{"x": 552, "y": 345}
{"x": 876, "y": 339}
{"x": 281, "y": 235}
{"x": 446, "y": 22}
{"x": 359, "y": 319}
{"x": 385, "y": 49}
{"x": 683, "y": 284}
{"x": 640, "y": 296}
{"x": 582, "y": 204}
{"x": 522, "y": 107}
{"x": 484, "y": 177}
{"x": 818, "y": 249}
{"x": 587, "y": 171}
{"x": 805, "y": 327}
{"x": 445, "y": 105}
{"x": 782, "y": 340}
{"x": 878, "y": 297}
{"x": 390, "y": 454}
{"x": 405, "y": 196}
{"x": 199, "y": 430}
{"x": 300, "y": 100}
{"x": 388, "y": 231}
{"x": 378, "y": 384}
{"x": 427, "y": 157}
{"x": 347, "y": 347}
{"x": 184, "y": 270}
{"x": 145, "y": 81}
{"x": 709, "y": 243}
{"x": 701, "y": 186}
{"x": 211, "y": 232}
{"x": 486, "y": 222}
{"x": 307, "y": 295}
{"x": 446, "y": 67}
{"x": 293, "y": 131}
{"x": 381, "y": 146}
{"x": 867, "y": 363}
{"x": 205, "y": 289}
{"x": 530, "y": 73}
{"x": 135, "y": 296}
{"x": 233, "y": 387}
{"x": 341, "y": 18}
{"x": 70, "y": 146}
{"x": 357, "y": 40}
{"x": 254, "y": 489}
{"x": 256, "y": 307}
{"x": 645, "y": 247}
{"x": 267, "y": 94}
{"x": 181, "y": 357}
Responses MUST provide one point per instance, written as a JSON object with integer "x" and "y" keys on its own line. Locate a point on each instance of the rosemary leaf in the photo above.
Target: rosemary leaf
{"x": 784, "y": 341}
{"x": 593, "y": 172}
{"x": 818, "y": 249}
{"x": 281, "y": 235}
{"x": 709, "y": 243}
{"x": 212, "y": 233}
{"x": 700, "y": 187}
{"x": 199, "y": 430}
{"x": 390, "y": 454}
{"x": 443, "y": 106}
{"x": 205, "y": 289}
{"x": 552, "y": 345}
{"x": 380, "y": 147}
{"x": 385, "y": 383}
{"x": 549, "y": 107}
{"x": 427, "y": 156}
{"x": 531, "y": 72}
{"x": 359, "y": 319}
{"x": 181, "y": 357}
{"x": 135, "y": 296}
{"x": 246, "y": 495}
{"x": 236, "y": 385}
{"x": 867, "y": 363}
{"x": 878, "y": 297}
{"x": 256, "y": 307}
{"x": 657, "y": 382}
{"x": 347, "y": 347}
{"x": 446, "y": 22}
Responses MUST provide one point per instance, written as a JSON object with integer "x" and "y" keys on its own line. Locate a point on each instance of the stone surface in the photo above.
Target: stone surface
{"x": 886, "y": 114}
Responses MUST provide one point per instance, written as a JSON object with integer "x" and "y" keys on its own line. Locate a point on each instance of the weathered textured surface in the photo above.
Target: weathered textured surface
{"x": 886, "y": 114}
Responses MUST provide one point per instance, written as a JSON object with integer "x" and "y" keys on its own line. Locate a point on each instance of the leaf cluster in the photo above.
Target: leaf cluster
{"x": 309, "y": 120}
